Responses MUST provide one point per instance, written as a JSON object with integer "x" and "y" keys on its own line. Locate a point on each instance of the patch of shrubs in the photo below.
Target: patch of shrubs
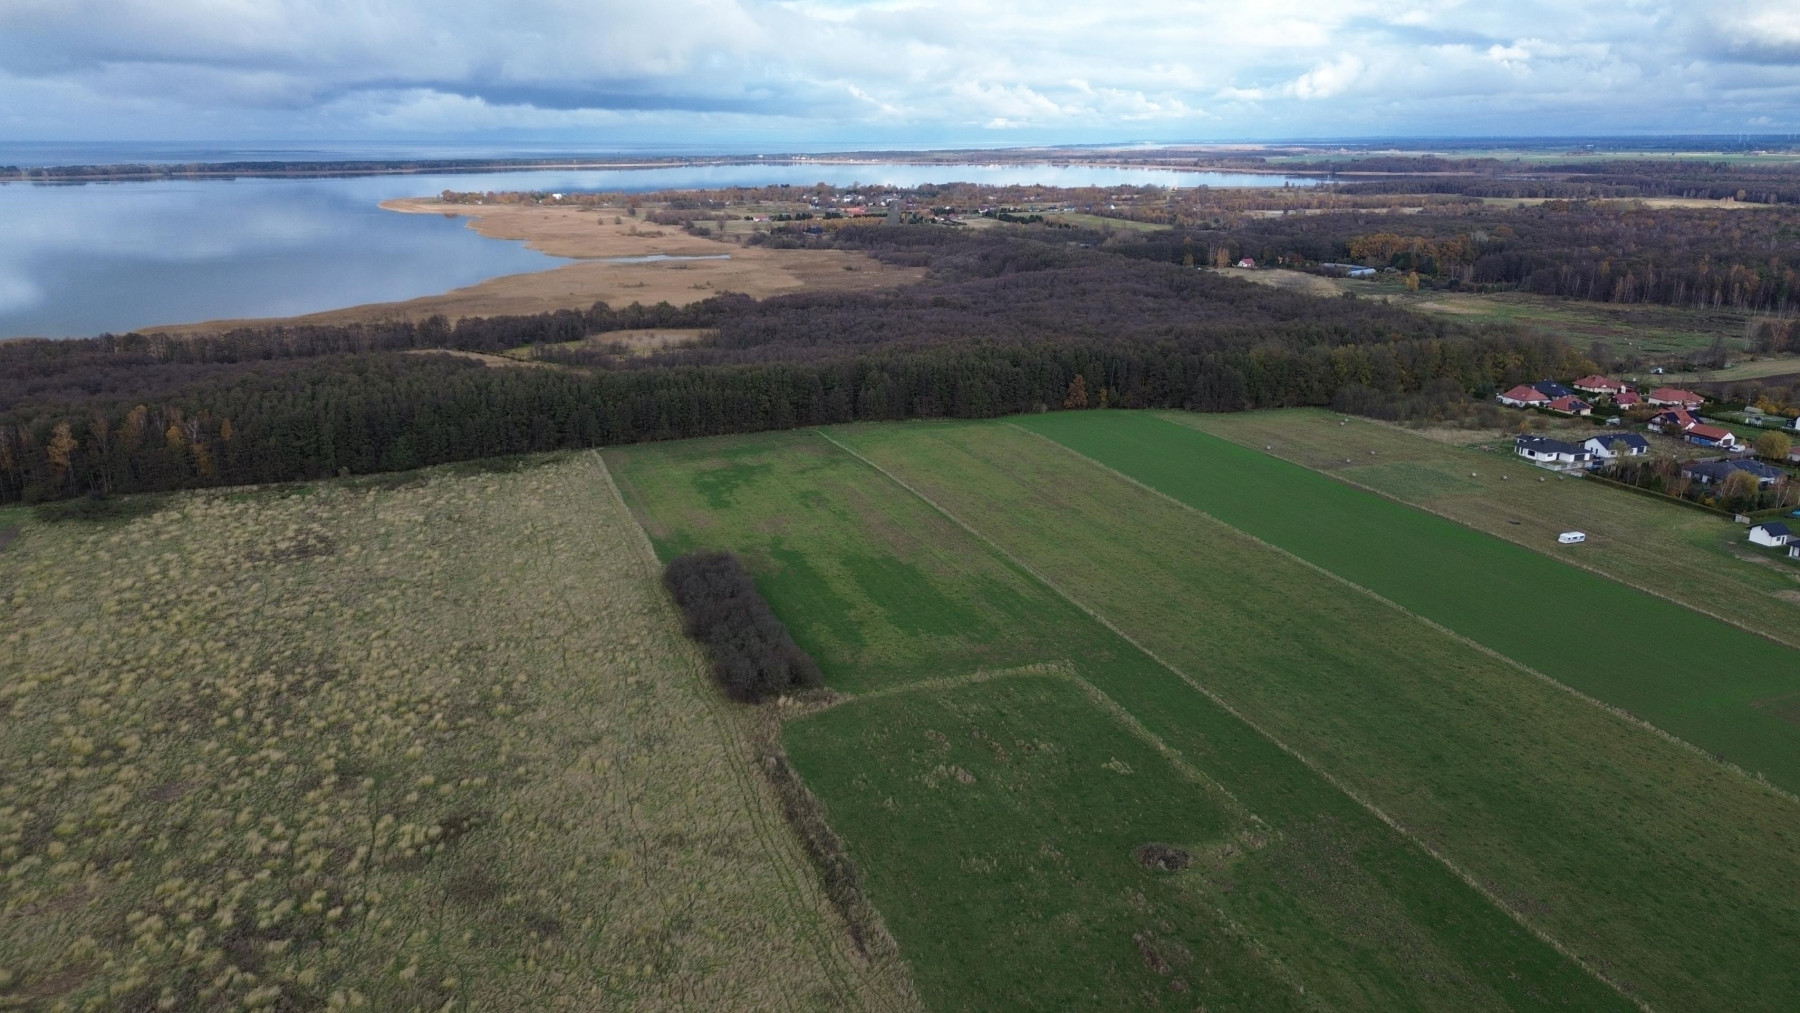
{"x": 752, "y": 654}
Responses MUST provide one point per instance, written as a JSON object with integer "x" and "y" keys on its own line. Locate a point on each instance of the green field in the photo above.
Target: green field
{"x": 1342, "y": 905}
{"x": 1313, "y": 705}
{"x": 1715, "y": 685}
{"x": 1693, "y": 556}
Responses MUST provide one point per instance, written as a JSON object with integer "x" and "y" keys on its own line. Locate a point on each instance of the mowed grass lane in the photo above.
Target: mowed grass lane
{"x": 1696, "y": 558}
{"x": 1313, "y": 891}
{"x": 1669, "y": 873}
{"x": 1692, "y": 675}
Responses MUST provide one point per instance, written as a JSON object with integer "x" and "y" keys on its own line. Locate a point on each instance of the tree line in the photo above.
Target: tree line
{"x": 1001, "y": 327}
{"x": 753, "y": 656}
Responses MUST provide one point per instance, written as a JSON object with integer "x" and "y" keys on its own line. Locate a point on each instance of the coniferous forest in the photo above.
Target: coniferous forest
{"x": 1003, "y": 324}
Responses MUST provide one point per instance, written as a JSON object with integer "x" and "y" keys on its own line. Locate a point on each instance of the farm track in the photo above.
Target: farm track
{"x": 1615, "y": 711}
{"x": 1325, "y": 775}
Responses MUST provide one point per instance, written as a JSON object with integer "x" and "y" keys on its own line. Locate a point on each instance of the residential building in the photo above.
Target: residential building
{"x": 1675, "y": 396}
{"x": 1602, "y": 446}
{"x": 1554, "y": 455}
{"x": 1552, "y": 389}
{"x": 1598, "y": 385}
{"x": 1676, "y": 421}
{"x": 1711, "y": 436}
{"x": 1523, "y": 397}
{"x": 1569, "y": 404}
{"x": 1773, "y": 534}
{"x": 1710, "y": 472}
{"x": 1628, "y": 398}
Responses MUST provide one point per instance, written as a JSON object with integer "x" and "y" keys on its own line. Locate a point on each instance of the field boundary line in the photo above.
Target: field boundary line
{"x": 795, "y": 874}
{"x": 1219, "y": 701}
{"x": 1754, "y": 777}
{"x": 1588, "y": 567}
{"x": 1065, "y": 670}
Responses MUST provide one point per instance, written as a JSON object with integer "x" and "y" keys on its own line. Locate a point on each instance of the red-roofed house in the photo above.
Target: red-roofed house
{"x": 1711, "y": 436}
{"x": 1598, "y": 385}
{"x": 1676, "y": 421}
{"x": 1570, "y": 405}
{"x": 1524, "y": 397}
{"x": 1627, "y": 399}
{"x": 1677, "y": 397}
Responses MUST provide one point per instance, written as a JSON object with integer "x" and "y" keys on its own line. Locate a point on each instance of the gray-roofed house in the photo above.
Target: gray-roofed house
{"x": 1602, "y": 446}
{"x": 1773, "y": 533}
{"x": 1708, "y": 472}
{"x": 1554, "y": 455}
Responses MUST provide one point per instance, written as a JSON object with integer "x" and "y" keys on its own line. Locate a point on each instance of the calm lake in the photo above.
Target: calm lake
{"x": 86, "y": 258}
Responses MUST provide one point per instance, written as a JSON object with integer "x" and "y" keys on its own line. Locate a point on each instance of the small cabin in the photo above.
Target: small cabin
{"x": 1772, "y": 533}
{"x": 1572, "y": 537}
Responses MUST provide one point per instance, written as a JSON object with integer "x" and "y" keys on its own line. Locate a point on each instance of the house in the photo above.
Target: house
{"x": 1552, "y": 389}
{"x": 1598, "y": 385}
{"x": 1793, "y": 549}
{"x": 1554, "y": 455}
{"x": 1709, "y": 472}
{"x": 1676, "y": 396}
{"x": 1569, "y": 404}
{"x": 1794, "y": 455}
{"x": 1602, "y": 446}
{"x": 1711, "y": 436}
{"x": 1773, "y": 534}
{"x": 1523, "y": 397}
{"x": 1627, "y": 398}
{"x": 1247, "y": 262}
{"x": 1676, "y": 421}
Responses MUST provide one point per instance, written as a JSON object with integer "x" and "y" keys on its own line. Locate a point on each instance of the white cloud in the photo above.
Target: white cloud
{"x": 345, "y": 68}
{"x": 1328, "y": 79}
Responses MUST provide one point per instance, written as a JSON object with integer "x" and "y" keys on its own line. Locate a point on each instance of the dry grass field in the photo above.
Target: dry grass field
{"x": 429, "y": 742}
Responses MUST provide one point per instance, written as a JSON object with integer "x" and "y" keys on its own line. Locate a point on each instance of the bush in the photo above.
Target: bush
{"x": 752, "y": 654}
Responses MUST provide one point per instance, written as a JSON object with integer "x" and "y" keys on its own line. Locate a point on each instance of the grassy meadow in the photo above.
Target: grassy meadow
{"x": 1716, "y": 685}
{"x": 424, "y": 742}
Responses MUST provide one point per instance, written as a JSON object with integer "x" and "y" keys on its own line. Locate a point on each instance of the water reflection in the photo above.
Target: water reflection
{"x": 85, "y": 258}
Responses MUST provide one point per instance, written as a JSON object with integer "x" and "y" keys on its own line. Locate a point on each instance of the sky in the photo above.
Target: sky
{"x": 761, "y": 74}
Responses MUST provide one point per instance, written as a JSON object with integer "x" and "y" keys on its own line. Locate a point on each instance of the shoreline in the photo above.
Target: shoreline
{"x": 588, "y": 238}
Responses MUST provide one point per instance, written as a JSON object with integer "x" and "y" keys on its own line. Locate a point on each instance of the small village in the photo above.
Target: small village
{"x": 1670, "y": 442}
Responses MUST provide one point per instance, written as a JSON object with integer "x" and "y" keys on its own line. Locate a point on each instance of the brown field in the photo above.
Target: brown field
{"x": 587, "y": 235}
{"x": 432, "y": 741}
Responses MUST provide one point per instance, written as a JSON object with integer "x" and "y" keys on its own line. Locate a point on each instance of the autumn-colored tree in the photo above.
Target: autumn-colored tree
{"x": 1773, "y": 446}
{"x": 1077, "y": 396}
{"x": 62, "y": 444}
{"x": 1739, "y": 487}
{"x": 1412, "y": 281}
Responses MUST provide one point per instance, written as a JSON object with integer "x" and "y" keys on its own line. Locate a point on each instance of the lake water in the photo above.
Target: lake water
{"x": 86, "y": 258}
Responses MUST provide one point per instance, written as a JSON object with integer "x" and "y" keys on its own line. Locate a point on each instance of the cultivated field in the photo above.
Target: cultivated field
{"x": 431, "y": 742}
{"x": 1367, "y": 767}
{"x": 1719, "y": 687}
{"x": 1694, "y": 557}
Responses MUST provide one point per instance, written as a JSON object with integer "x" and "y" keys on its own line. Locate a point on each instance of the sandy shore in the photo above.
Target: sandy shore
{"x": 587, "y": 235}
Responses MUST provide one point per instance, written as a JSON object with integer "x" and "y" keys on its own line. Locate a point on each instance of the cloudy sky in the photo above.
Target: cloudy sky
{"x": 890, "y": 71}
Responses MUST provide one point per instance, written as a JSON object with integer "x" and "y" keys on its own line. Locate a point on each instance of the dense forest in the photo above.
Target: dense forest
{"x": 1005, "y": 324}
{"x": 1746, "y": 260}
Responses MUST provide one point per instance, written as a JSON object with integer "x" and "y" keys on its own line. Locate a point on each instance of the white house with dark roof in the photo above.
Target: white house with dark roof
{"x": 1602, "y": 446}
{"x": 1554, "y": 455}
{"x": 1772, "y": 533}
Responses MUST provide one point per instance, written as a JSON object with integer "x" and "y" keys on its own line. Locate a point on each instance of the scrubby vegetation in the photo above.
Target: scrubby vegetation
{"x": 753, "y": 657}
{"x": 429, "y": 745}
